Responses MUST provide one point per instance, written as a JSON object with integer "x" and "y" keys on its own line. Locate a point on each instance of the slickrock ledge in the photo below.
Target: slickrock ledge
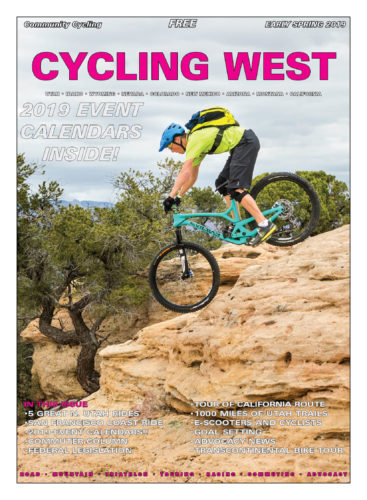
{"x": 281, "y": 332}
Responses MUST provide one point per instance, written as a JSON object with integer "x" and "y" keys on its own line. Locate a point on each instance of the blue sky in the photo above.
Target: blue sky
{"x": 296, "y": 133}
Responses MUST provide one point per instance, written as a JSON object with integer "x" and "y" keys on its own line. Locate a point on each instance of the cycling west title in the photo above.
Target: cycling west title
{"x": 192, "y": 66}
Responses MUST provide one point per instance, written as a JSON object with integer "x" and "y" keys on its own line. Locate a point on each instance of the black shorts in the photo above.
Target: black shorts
{"x": 239, "y": 167}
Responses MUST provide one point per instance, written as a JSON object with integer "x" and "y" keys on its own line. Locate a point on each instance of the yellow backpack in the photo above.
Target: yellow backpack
{"x": 217, "y": 117}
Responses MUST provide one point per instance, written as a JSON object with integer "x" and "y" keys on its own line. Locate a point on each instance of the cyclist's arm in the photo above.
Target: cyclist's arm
{"x": 186, "y": 178}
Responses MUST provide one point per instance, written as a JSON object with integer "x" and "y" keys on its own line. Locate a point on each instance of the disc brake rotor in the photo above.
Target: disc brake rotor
{"x": 290, "y": 224}
{"x": 288, "y": 209}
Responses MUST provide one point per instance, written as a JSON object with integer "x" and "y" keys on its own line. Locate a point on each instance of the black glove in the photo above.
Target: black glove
{"x": 169, "y": 202}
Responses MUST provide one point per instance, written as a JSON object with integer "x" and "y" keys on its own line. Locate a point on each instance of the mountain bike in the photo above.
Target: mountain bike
{"x": 184, "y": 276}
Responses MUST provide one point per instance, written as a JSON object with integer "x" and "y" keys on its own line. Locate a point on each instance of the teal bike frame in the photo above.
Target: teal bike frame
{"x": 240, "y": 234}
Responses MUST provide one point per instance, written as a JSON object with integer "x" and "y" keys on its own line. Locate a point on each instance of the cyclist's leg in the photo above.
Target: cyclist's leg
{"x": 241, "y": 168}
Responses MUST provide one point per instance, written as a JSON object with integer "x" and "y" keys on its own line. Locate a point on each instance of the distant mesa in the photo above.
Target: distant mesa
{"x": 87, "y": 203}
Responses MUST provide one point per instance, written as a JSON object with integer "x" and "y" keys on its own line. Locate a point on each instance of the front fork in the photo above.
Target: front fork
{"x": 186, "y": 271}
{"x": 178, "y": 236}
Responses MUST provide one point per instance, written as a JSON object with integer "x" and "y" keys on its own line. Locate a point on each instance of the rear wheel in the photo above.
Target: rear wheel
{"x": 184, "y": 277}
{"x": 301, "y": 206}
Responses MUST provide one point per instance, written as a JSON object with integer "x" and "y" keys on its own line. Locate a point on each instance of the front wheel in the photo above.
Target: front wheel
{"x": 184, "y": 277}
{"x": 301, "y": 206}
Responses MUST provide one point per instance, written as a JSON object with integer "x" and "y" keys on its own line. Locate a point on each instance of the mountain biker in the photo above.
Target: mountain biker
{"x": 235, "y": 179}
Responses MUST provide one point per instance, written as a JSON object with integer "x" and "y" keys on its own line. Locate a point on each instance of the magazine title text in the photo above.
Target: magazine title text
{"x": 192, "y": 66}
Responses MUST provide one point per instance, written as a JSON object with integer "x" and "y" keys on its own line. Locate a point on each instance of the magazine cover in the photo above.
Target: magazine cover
{"x": 183, "y": 249}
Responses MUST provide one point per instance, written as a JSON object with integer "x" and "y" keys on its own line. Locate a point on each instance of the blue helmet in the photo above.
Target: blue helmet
{"x": 169, "y": 134}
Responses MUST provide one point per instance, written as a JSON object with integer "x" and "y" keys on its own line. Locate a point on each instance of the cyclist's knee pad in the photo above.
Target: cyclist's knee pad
{"x": 222, "y": 189}
{"x": 237, "y": 195}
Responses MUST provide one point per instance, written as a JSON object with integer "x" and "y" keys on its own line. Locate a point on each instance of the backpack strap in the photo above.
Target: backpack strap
{"x": 217, "y": 141}
{"x": 219, "y": 136}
